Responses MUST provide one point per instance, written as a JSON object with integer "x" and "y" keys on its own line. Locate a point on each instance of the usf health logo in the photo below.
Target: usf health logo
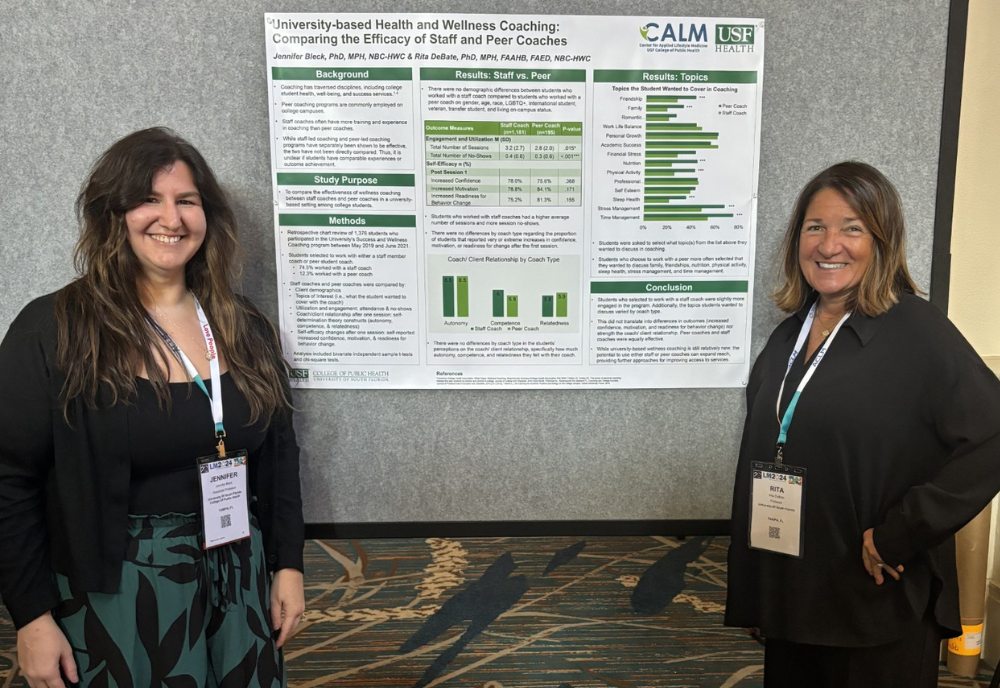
{"x": 299, "y": 373}
{"x": 734, "y": 38}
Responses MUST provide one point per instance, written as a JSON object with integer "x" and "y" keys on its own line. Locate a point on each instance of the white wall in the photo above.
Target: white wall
{"x": 974, "y": 304}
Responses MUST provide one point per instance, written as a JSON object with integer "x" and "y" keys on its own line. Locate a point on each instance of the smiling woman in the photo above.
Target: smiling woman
{"x": 168, "y": 227}
{"x": 835, "y": 248}
{"x": 872, "y": 435}
{"x": 120, "y": 503}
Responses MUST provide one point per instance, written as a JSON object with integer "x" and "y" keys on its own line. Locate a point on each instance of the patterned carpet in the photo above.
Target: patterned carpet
{"x": 625, "y": 612}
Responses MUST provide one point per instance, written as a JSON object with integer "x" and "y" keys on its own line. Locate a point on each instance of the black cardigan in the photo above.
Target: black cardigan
{"x": 899, "y": 430}
{"x": 64, "y": 489}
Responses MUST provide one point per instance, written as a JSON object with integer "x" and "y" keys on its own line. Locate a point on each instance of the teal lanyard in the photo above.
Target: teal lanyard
{"x": 215, "y": 398}
{"x": 786, "y": 420}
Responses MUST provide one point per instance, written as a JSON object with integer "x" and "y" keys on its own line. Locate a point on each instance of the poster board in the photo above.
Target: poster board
{"x": 79, "y": 78}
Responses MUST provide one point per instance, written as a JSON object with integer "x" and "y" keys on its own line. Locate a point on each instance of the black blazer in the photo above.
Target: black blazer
{"x": 899, "y": 430}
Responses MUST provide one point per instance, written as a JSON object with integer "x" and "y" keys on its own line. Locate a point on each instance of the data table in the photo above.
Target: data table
{"x": 503, "y": 163}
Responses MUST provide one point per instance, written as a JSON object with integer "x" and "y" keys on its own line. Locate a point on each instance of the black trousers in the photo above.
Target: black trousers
{"x": 910, "y": 662}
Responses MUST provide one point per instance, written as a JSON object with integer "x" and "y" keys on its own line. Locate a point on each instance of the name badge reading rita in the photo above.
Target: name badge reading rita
{"x": 777, "y": 498}
{"x": 225, "y": 502}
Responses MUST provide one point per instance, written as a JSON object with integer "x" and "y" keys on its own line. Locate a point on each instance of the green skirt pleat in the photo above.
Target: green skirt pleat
{"x": 183, "y": 618}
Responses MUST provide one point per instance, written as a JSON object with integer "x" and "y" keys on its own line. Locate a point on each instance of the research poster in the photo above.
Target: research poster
{"x": 514, "y": 201}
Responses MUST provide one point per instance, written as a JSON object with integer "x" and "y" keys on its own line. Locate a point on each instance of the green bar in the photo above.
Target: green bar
{"x": 656, "y": 115}
{"x": 657, "y": 199}
{"x": 562, "y": 304}
{"x": 448, "y": 291}
{"x": 658, "y": 172}
{"x": 658, "y": 132}
{"x": 694, "y": 287}
{"x": 668, "y": 99}
{"x": 342, "y": 73}
{"x": 356, "y": 179}
{"x": 694, "y": 207}
{"x": 694, "y": 135}
{"x": 679, "y": 218}
{"x": 683, "y": 181}
{"x": 677, "y": 125}
{"x": 498, "y": 303}
{"x": 519, "y": 75}
{"x": 668, "y": 189}
{"x": 547, "y": 302}
{"x": 679, "y": 144}
{"x": 664, "y": 163}
{"x": 463, "y": 297}
{"x": 653, "y": 153}
{"x": 296, "y": 220}
{"x": 511, "y": 305}
{"x": 672, "y": 77}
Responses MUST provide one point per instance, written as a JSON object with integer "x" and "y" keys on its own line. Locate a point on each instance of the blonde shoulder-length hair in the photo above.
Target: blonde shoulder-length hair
{"x": 873, "y": 197}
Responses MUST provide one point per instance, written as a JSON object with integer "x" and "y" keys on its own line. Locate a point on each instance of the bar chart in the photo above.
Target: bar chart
{"x": 455, "y": 292}
{"x": 671, "y": 162}
{"x": 489, "y": 296}
{"x": 561, "y": 301}
{"x": 676, "y": 153}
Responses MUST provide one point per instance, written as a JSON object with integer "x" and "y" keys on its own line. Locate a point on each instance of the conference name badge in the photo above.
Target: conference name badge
{"x": 224, "y": 498}
{"x": 777, "y": 493}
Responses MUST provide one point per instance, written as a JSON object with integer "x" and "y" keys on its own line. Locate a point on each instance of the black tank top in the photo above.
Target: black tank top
{"x": 164, "y": 447}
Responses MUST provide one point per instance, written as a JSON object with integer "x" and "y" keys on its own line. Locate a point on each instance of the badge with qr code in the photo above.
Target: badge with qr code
{"x": 224, "y": 498}
{"x": 777, "y": 499}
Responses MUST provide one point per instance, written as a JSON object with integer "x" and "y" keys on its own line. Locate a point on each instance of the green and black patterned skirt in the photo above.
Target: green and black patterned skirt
{"x": 184, "y": 617}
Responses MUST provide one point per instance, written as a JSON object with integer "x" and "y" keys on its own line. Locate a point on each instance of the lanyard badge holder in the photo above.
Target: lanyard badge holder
{"x": 777, "y": 489}
{"x": 223, "y": 475}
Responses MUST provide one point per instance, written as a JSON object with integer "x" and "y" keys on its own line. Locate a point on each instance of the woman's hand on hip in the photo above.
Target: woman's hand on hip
{"x": 873, "y": 562}
{"x": 288, "y": 603}
{"x": 41, "y": 650}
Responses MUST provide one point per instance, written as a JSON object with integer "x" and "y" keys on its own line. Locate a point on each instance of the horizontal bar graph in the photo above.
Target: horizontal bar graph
{"x": 669, "y": 168}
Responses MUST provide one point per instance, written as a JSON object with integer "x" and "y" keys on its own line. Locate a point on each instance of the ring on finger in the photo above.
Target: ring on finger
{"x": 880, "y": 565}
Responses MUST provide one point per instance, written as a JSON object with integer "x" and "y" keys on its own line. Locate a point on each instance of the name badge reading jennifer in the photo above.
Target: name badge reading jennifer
{"x": 224, "y": 498}
{"x": 776, "y": 503}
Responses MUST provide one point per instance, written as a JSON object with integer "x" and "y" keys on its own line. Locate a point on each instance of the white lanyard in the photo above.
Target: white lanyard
{"x": 215, "y": 398}
{"x": 799, "y": 343}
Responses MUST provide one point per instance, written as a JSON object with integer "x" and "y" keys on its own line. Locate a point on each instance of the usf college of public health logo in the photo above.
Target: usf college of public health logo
{"x": 299, "y": 373}
{"x": 734, "y": 38}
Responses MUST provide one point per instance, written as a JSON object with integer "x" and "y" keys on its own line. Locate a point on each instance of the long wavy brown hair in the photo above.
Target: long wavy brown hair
{"x": 104, "y": 338}
{"x": 873, "y": 197}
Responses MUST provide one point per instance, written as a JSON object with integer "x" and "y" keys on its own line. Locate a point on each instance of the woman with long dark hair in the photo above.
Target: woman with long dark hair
{"x": 150, "y": 510}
